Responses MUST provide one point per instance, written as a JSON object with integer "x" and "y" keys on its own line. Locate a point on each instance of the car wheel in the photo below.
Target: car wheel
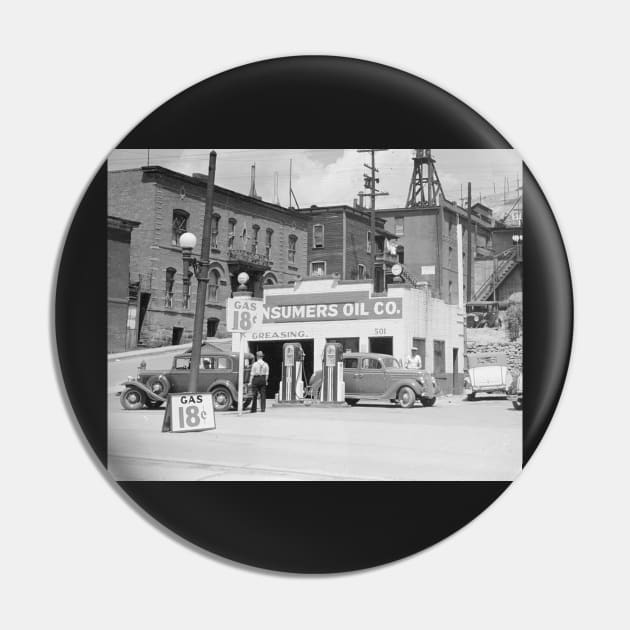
{"x": 153, "y": 404}
{"x": 517, "y": 405}
{"x": 427, "y": 402}
{"x": 470, "y": 397}
{"x": 159, "y": 385}
{"x": 352, "y": 401}
{"x": 222, "y": 399}
{"x": 132, "y": 399}
{"x": 407, "y": 397}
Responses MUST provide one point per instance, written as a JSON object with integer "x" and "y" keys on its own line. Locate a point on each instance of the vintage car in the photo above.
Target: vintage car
{"x": 488, "y": 374}
{"x": 515, "y": 392}
{"x": 484, "y": 314}
{"x": 373, "y": 376}
{"x": 218, "y": 374}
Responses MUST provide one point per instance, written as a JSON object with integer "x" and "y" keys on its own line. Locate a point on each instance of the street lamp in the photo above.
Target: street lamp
{"x": 200, "y": 268}
{"x": 243, "y": 279}
{"x": 187, "y": 242}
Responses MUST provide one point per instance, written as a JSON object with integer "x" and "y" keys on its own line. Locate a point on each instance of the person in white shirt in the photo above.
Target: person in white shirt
{"x": 258, "y": 380}
{"x": 413, "y": 360}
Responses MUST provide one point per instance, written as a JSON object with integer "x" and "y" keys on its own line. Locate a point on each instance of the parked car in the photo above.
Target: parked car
{"x": 484, "y": 314}
{"x": 373, "y": 376}
{"x": 218, "y": 374}
{"x": 488, "y": 374}
{"x": 515, "y": 392}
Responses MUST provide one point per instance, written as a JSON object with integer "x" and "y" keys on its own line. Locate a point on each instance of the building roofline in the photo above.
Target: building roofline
{"x": 201, "y": 182}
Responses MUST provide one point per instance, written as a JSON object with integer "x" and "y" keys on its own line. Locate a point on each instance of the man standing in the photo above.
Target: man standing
{"x": 413, "y": 360}
{"x": 258, "y": 379}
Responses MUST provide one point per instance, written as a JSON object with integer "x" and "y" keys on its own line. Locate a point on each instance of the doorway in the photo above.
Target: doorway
{"x": 176, "y": 339}
{"x": 212, "y": 327}
{"x": 273, "y": 356}
{"x": 456, "y": 389}
{"x": 381, "y": 345}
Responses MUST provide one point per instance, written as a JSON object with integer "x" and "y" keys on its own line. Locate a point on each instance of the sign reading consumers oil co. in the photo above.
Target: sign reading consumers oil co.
{"x": 279, "y": 309}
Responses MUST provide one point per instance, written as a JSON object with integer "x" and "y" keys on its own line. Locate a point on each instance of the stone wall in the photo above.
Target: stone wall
{"x": 513, "y": 350}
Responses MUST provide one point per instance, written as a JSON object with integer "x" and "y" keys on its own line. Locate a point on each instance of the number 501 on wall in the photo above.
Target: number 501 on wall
{"x": 243, "y": 314}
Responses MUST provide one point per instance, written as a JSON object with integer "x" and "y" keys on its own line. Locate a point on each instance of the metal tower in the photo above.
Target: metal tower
{"x": 425, "y": 189}
{"x": 252, "y": 188}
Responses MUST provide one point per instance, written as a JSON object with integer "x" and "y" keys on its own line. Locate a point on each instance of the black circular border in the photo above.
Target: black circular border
{"x": 311, "y": 102}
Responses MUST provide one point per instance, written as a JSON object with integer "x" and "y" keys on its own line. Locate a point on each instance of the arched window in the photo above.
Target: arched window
{"x": 213, "y": 285}
{"x": 179, "y": 225}
{"x": 214, "y": 230}
{"x": 268, "y": 243}
{"x": 292, "y": 247}
{"x": 169, "y": 286}
{"x": 255, "y": 230}
{"x": 231, "y": 233}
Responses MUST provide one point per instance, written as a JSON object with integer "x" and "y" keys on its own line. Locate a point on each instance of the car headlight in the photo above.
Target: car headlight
{"x": 421, "y": 380}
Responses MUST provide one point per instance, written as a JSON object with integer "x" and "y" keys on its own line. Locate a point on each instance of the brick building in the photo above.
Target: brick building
{"x": 426, "y": 240}
{"x": 339, "y": 242}
{"x": 248, "y": 234}
{"x": 120, "y": 310}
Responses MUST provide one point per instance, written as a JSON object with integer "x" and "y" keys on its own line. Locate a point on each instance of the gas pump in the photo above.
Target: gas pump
{"x": 292, "y": 383}
{"x": 333, "y": 389}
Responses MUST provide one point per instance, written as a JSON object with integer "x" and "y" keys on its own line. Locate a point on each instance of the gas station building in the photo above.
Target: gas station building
{"x": 318, "y": 310}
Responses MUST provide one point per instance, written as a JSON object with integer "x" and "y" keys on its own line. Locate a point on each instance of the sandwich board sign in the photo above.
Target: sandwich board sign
{"x": 189, "y": 412}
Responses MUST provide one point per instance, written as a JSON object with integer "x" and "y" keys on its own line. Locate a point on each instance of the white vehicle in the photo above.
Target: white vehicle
{"x": 487, "y": 374}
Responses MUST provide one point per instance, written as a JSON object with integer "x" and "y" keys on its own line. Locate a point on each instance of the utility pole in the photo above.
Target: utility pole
{"x": 469, "y": 258}
{"x": 202, "y": 286}
{"x": 370, "y": 182}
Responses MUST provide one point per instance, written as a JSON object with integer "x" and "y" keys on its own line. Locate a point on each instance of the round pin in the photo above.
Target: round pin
{"x": 313, "y": 360}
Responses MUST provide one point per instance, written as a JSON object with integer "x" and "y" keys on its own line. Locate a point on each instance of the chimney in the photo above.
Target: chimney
{"x": 252, "y": 188}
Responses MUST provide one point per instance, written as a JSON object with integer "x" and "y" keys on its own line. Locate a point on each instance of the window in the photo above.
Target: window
{"x": 368, "y": 245}
{"x": 318, "y": 268}
{"x": 400, "y": 252}
{"x": 179, "y": 225}
{"x": 450, "y": 257}
{"x": 371, "y": 364}
{"x": 292, "y": 247}
{"x": 361, "y": 272}
{"x": 170, "y": 283}
{"x": 268, "y": 243}
{"x": 351, "y": 364}
{"x": 182, "y": 363}
{"x": 215, "y": 363}
{"x": 213, "y": 286}
{"x": 318, "y": 236}
{"x": 255, "y": 230}
{"x": 231, "y": 231}
{"x": 214, "y": 231}
{"x": 399, "y": 226}
{"x": 450, "y": 291}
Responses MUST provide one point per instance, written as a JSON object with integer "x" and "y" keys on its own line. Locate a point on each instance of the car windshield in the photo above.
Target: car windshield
{"x": 390, "y": 362}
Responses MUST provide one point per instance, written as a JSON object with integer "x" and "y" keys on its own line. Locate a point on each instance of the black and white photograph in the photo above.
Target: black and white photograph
{"x": 315, "y": 314}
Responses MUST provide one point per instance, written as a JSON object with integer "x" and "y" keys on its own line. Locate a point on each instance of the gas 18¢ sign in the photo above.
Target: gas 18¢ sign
{"x": 189, "y": 412}
{"x": 243, "y": 314}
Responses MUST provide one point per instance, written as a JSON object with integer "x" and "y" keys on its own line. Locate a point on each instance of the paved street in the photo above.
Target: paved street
{"x": 455, "y": 440}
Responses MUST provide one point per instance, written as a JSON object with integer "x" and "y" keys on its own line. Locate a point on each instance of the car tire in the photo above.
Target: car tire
{"x": 517, "y": 405}
{"x": 352, "y": 401}
{"x": 132, "y": 399}
{"x": 470, "y": 397}
{"x": 221, "y": 399}
{"x": 158, "y": 384}
{"x": 406, "y": 397}
{"x": 427, "y": 402}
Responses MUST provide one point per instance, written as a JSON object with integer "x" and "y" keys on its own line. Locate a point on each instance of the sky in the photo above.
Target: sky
{"x": 335, "y": 176}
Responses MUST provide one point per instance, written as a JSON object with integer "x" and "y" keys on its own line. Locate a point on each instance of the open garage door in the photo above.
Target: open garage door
{"x": 273, "y": 356}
